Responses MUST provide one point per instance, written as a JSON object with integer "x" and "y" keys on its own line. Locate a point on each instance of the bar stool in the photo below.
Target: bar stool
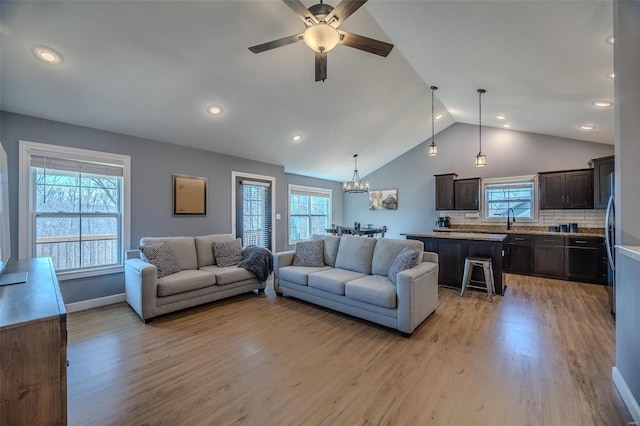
{"x": 485, "y": 264}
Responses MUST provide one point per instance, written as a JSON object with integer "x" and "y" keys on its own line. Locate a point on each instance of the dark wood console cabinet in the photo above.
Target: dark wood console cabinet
{"x": 33, "y": 348}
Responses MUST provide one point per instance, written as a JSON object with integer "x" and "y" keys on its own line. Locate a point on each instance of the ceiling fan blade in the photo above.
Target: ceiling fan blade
{"x": 301, "y": 11}
{"x": 343, "y": 10}
{"x": 367, "y": 44}
{"x": 275, "y": 43}
{"x": 321, "y": 66}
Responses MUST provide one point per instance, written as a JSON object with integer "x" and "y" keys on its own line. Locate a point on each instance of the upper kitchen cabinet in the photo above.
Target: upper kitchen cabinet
{"x": 467, "y": 194}
{"x": 444, "y": 191}
{"x": 602, "y": 167}
{"x": 566, "y": 190}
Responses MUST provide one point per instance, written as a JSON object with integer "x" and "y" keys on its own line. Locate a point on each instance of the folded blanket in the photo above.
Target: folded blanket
{"x": 257, "y": 260}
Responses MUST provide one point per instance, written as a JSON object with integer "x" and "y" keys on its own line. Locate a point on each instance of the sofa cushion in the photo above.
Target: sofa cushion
{"x": 333, "y": 280}
{"x": 355, "y": 253}
{"x": 184, "y": 248}
{"x": 386, "y": 251}
{"x": 331, "y": 244}
{"x": 406, "y": 259}
{"x": 160, "y": 256}
{"x": 373, "y": 289}
{"x": 228, "y": 253}
{"x": 299, "y": 274}
{"x": 309, "y": 253}
{"x": 204, "y": 247}
{"x": 187, "y": 280}
{"x": 229, "y": 274}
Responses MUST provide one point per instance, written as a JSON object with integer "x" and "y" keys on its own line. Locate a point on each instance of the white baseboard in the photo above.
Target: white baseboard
{"x": 94, "y": 303}
{"x": 626, "y": 394}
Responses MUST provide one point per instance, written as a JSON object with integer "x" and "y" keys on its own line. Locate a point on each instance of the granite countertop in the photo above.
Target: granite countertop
{"x": 454, "y": 235}
{"x": 531, "y": 230}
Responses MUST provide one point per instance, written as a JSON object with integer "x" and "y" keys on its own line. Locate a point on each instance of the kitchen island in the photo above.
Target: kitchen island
{"x": 454, "y": 247}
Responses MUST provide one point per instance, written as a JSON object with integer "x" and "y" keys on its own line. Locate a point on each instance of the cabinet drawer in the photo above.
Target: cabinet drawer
{"x": 549, "y": 240}
{"x": 519, "y": 239}
{"x": 583, "y": 242}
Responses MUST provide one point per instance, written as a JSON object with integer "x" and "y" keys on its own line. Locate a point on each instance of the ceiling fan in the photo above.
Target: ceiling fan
{"x": 322, "y": 33}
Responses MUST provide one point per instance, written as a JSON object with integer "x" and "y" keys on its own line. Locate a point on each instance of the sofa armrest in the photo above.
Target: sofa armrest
{"x": 417, "y": 290}
{"x": 429, "y": 256}
{"x": 132, "y": 254}
{"x": 141, "y": 287}
{"x": 280, "y": 260}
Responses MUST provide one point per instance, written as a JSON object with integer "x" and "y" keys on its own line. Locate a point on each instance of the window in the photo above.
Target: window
{"x": 309, "y": 212}
{"x": 256, "y": 214}
{"x": 517, "y": 193}
{"x": 77, "y": 208}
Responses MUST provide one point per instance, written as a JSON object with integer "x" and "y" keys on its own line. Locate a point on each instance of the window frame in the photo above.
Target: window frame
{"x": 320, "y": 191}
{"x": 504, "y": 180}
{"x": 26, "y": 201}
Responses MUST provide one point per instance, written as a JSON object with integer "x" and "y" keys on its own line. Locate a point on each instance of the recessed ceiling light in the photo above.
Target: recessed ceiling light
{"x": 602, "y": 104}
{"x": 501, "y": 117}
{"x": 47, "y": 55}
{"x": 214, "y": 109}
{"x": 506, "y": 125}
{"x": 438, "y": 117}
{"x": 611, "y": 75}
{"x": 587, "y": 127}
{"x": 610, "y": 39}
{"x": 297, "y": 137}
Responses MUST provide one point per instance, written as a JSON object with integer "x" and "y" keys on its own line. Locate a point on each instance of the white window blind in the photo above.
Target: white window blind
{"x": 518, "y": 194}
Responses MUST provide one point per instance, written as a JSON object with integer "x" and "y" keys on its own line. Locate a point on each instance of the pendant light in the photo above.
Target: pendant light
{"x": 355, "y": 186}
{"x": 481, "y": 159}
{"x": 433, "y": 148}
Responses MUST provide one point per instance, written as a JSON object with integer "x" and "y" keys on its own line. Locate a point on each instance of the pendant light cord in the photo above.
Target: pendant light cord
{"x": 433, "y": 120}
{"x": 480, "y": 118}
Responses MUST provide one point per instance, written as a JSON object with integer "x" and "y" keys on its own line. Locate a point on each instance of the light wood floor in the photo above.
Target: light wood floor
{"x": 540, "y": 355}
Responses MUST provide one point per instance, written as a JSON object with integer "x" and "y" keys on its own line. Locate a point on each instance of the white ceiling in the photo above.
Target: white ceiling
{"x": 150, "y": 69}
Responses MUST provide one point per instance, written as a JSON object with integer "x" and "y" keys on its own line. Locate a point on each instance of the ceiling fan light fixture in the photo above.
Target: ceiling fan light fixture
{"x": 321, "y": 37}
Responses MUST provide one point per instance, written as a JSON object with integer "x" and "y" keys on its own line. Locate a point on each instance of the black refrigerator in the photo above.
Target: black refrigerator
{"x": 610, "y": 242}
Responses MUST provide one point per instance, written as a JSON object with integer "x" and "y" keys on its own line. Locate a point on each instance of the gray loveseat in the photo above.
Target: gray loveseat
{"x": 199, "y": 281}
{"x": 354, "y": 281}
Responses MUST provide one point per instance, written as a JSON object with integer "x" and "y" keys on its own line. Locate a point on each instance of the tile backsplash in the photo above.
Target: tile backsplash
{"x": 584, "y": 218}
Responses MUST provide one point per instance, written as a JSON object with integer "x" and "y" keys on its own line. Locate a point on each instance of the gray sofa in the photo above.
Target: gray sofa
{"x": 199, "y": 281}
{"x": 354, "y": 281}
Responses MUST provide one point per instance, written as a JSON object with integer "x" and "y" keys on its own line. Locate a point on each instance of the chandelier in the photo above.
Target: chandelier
{"x": 481, "y": 159}
{"x": 433, "y": 148}
{"x": 355, "y": 186}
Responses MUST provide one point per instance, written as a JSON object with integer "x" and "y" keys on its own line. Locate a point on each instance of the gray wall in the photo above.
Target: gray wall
{"x": 152, "y": 166}
{"x": 626, "y": 24}
{"x": 337, "y": 207}
{"x": 509, "y": 153}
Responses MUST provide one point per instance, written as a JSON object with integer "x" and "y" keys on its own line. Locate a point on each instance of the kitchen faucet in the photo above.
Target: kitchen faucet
{"x": 513, "y": 216}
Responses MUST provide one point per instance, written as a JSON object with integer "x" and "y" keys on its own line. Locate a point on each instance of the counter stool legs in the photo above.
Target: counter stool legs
{"x": 487, "y": 268}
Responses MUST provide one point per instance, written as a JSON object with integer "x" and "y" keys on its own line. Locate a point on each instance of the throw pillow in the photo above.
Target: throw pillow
{"x": 406, "y": 259}
{"x": 160, "y": 256}
{"x": 228, "y": 253}
{"x": 309, "y": 253}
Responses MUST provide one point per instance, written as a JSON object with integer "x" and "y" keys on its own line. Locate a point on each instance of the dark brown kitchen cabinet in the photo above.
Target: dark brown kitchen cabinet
{"x": 602, "y": 167}
{"x": 444, "y": 191}
{"x": 518, "y": 257}
{"x": 566, "y": 190}
{"x": 467, "y": 194}
{"x": 582, "y": 259}
{"x": 548, "y": 256}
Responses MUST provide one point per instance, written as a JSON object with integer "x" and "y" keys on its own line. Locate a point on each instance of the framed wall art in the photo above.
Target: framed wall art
{"x": 189, "y": 195}
{"x": 384, "y": 199}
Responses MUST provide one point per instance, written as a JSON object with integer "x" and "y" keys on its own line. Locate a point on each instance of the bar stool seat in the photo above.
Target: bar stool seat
{"x": 486, "y": 265}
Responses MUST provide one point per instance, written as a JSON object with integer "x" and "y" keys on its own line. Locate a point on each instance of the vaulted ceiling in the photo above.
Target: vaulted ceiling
{"x": 151, "y": 69}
